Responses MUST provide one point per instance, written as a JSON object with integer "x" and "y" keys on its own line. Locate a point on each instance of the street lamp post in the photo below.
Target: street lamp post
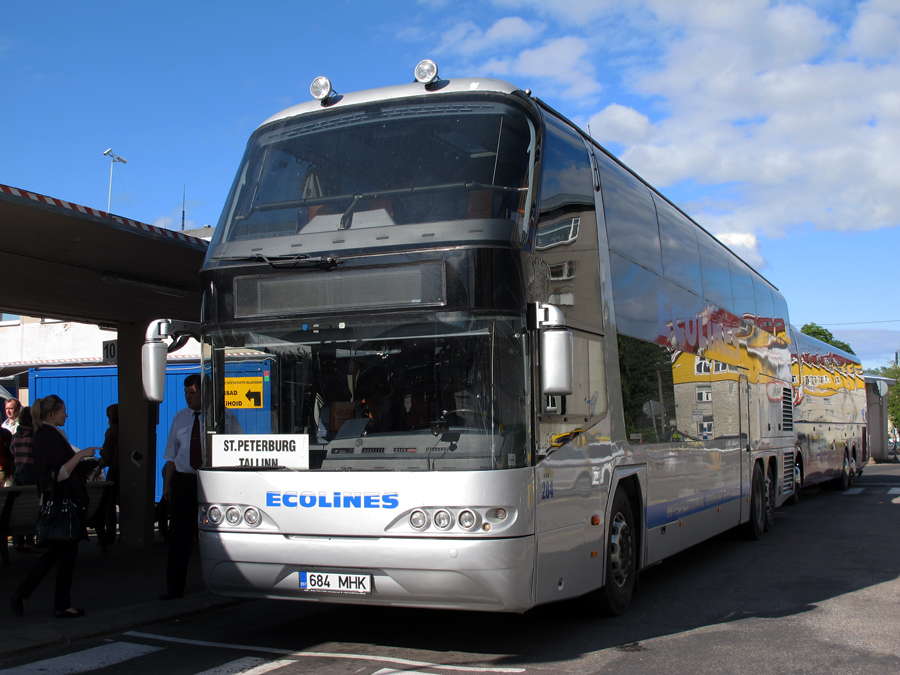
{"x": 113, "y": 159}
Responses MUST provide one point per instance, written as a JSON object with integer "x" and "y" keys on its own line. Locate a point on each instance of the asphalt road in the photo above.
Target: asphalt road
{"x": 819, "y": 593}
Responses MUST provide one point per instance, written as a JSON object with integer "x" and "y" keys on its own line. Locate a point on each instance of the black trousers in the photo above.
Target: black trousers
{"x": 182, "y": 526}
{"x": 64, "y": 553}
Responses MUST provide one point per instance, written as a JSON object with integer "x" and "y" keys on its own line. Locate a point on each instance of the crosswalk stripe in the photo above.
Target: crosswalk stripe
{"x": 854, "y": 491}
{"x": 250, "y": 665}
{"x": 894, "y": 491}
{"x": 329, "y": 655}
{"x": 86, "y": 660}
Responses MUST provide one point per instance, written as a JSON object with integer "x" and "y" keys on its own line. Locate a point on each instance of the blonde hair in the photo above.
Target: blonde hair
{"x": 42, "y": 408}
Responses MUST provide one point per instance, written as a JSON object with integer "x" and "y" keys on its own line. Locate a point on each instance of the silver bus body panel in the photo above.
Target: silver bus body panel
{"x": 484, "y": 575}
{"x": 482, "y": 570}
{"x": 334, "y": 503}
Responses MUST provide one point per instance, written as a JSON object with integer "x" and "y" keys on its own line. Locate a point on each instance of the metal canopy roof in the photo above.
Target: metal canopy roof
{"x": 65, "y": 261}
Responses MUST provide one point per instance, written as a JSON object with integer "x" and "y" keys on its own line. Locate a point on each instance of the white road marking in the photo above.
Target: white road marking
{"x": 87, "y": 660}
{"x": 854, "y": 491}
{"x": 249, "y": 665}
{"x": 327, "y": 655}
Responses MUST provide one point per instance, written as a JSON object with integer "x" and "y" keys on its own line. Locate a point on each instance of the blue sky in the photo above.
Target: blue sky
{"x": 776, "y": 125}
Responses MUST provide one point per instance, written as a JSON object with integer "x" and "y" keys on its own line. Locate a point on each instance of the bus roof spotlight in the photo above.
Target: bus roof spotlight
{"x": 321, "y": 88}
{"x": 426, "y": 71}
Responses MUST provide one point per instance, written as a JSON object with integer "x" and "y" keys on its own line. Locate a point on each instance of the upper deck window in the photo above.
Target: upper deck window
{"x": 361, "y": 172}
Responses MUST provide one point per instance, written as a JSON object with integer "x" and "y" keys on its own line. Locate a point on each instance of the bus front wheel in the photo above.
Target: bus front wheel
{"x": 621, "y": 561}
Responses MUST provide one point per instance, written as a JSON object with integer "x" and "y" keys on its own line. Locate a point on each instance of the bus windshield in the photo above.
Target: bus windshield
{"x": 444, "y": 393}
{"x": 394, "y": 163}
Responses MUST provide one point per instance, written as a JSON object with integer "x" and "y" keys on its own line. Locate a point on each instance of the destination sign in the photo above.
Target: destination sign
{"x": 243, "y": 392}
{"x": 261, "y": 450}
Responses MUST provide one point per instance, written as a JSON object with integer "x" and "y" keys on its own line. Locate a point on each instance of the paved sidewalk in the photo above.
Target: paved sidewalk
{"x": 118, "y": 590}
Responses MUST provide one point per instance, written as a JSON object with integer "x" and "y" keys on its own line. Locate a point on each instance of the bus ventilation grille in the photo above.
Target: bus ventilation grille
{"x": 787, "y": 409}
{"x": 788, "y": 474}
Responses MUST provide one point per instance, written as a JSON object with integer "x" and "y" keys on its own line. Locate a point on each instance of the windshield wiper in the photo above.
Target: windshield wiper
{"x": 286, "y": 260}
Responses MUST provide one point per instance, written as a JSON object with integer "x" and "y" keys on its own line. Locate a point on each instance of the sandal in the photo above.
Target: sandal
{"x": 71, "y": 613}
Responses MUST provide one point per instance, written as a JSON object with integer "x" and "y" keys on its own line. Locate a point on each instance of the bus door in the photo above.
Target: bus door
{"x": 746, "y": 447}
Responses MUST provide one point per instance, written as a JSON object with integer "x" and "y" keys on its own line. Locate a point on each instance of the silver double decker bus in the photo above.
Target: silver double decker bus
{"x": 478, "y": 362}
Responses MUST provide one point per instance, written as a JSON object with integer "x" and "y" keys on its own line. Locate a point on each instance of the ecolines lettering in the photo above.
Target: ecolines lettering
{"x": 335, "y": 500}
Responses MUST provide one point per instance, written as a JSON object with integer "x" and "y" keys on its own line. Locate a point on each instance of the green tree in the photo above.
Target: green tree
{"x": 823, "y": 334}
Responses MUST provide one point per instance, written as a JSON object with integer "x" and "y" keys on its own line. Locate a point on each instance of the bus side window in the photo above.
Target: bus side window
{"x": 588, "y": 403}
{"x": 648, "y": 390}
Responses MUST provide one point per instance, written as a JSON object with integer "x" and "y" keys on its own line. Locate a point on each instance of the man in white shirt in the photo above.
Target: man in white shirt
{"x": 184, "y": 455}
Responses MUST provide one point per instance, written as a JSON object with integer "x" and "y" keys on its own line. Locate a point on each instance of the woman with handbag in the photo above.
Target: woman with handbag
{"x": 60, "y": 478}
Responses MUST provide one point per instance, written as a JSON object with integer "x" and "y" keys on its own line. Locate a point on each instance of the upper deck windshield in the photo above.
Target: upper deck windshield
{"x": 381, "y": 168}
{"x": 445, "y": 393}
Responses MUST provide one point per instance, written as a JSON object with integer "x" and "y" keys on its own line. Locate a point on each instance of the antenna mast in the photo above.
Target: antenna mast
{"x": 183, "y": 193}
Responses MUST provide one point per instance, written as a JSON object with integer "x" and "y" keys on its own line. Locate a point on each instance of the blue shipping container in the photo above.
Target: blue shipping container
{"x": 87, "y": 391}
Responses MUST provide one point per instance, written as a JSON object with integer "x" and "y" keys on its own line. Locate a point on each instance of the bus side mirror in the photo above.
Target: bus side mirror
{"x": 557, "y": 352}
{"x": 153, "y": 370}
{"x": 155, "y": 349}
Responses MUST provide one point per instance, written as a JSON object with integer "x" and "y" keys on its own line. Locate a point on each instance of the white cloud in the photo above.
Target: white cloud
{"x": 620, "y": 124}
{"x": 562, "y": 63}
{"x": 876, "y": 33}
{"x": 511, "y": 29}
{"x": 467, "y": 38}
{"x": 875, "y": 347}
{"x": 754, "y": 96}
{"x": 576, "y": 11}
{"x": 745, "y": 245}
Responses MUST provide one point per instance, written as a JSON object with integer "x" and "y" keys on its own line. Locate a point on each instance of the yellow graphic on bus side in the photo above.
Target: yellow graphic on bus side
{"x": 243, "y": 392}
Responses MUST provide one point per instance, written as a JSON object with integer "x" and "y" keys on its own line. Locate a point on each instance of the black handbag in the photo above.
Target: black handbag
{"x": 60, "y": 519}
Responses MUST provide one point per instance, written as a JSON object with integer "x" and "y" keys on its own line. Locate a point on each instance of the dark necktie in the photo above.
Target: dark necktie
{"x": 196, "y": 448}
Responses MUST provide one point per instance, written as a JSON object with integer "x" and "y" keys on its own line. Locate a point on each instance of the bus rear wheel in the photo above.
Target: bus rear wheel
{"x": 842, "y": 482}
{"x": 621, "y": 561}
{"x": 755, "y": 527}
{"x": 794, "y": 499}
{"x": 770, "y": 498}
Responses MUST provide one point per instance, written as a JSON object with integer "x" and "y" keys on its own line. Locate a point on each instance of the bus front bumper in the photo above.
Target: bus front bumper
{"x": 484, "y": 575}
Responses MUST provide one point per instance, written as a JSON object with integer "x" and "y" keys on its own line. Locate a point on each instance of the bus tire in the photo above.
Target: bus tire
{"x": 794, "y": 499}
{"x": 770, "y": 497}
{"x": 842, "y": 482}
{"x": 755, "y": 527}
{"x": 614, "y": 597}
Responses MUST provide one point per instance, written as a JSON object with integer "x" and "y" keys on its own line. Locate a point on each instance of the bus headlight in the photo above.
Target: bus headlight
{"x": 442, "y": 519}
{"x": 467, "y": 520}
{"x": 251, "y": 516}
{"x": 214, "y": 514}
{"x": 233, "y": 515}
{"x": 418, "y": 519}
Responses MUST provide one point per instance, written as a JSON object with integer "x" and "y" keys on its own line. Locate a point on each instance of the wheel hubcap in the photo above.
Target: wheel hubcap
{"x": 621, "y": 550}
